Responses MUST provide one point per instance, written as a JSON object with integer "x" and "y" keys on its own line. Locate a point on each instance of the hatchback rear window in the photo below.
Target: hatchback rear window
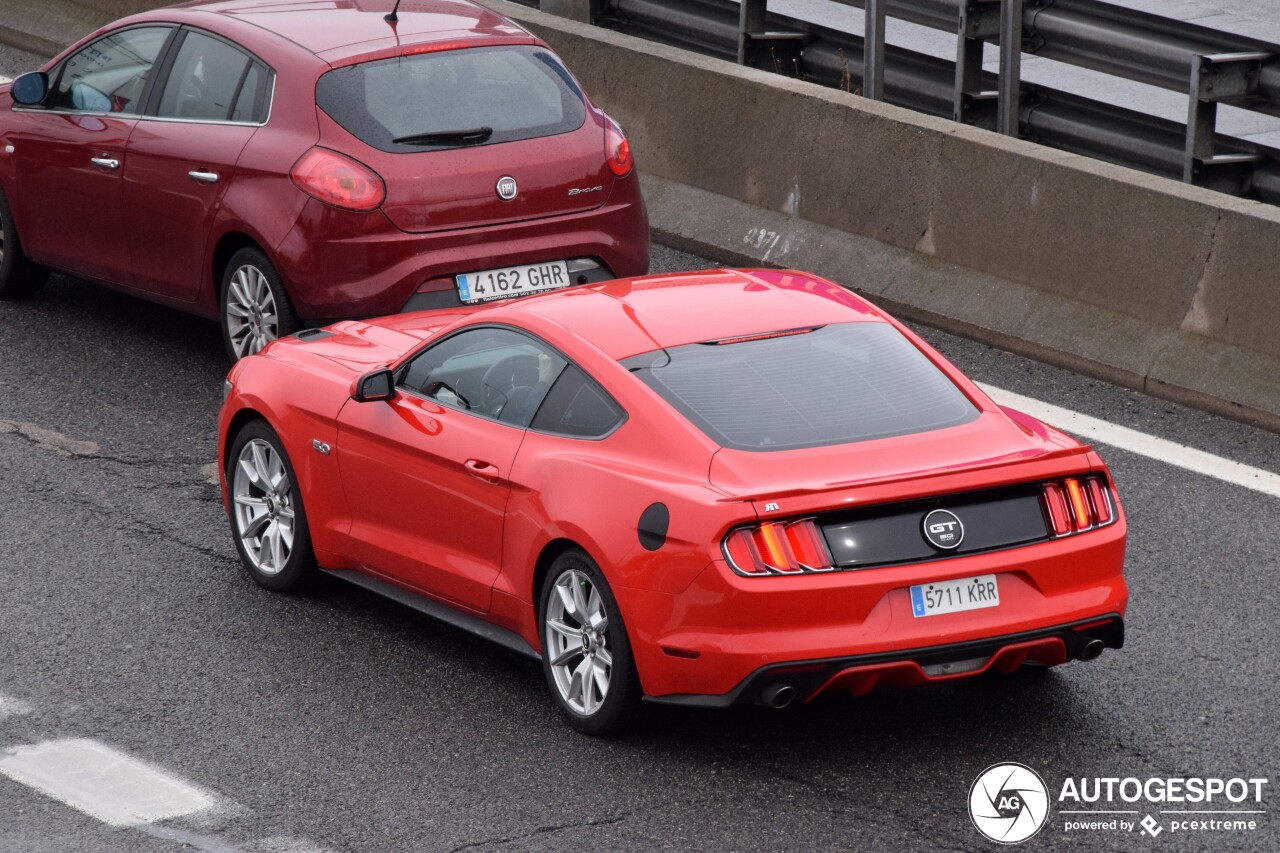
{"x": 830, "y": 385}
{"x": 453, "y": 98}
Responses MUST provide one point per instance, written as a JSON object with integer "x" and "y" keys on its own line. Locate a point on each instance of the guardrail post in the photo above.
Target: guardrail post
{"x": 970, "y": 103}
{"x": 760, "y": 48}
{"x": 1215, "y": 78}
{"x": 1010, "y": 99}
{"x": 752, "y": 18}
{"x": 873, "y": 51}
{"x": 578, "y": 10}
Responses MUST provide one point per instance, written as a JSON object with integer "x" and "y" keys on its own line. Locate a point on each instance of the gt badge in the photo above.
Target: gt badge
{"x": 507, "y": 188}
{"x": 771, "y": 507}
{"x": 943, "y": 530}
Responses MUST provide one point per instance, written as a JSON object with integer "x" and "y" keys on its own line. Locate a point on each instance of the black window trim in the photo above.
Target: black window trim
{"x": 402, "y": 372}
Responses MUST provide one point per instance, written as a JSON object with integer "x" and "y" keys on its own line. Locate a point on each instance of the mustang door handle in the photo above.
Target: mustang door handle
{"x": 105, "y": 162}
{"x": 204, "y": 177}
{"x": 483, "y": 470}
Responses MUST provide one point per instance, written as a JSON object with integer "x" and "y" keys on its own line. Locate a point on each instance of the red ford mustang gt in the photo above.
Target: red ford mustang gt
{"x": 276, "y": 164}
{"x": 700, "y": 489}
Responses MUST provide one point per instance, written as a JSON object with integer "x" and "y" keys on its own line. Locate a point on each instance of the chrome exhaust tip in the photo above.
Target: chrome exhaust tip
{"x": 777, "y": 696}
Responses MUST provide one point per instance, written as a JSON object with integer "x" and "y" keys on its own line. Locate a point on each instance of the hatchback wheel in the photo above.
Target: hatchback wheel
{"x": 18, "y": 275}
{"x": 268, "y": 521}
{"x": 586, "y": 655}
{"x": 255, "y": 308}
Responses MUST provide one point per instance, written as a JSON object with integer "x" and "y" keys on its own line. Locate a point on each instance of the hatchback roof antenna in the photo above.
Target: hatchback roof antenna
{"x": 391, "y": 17}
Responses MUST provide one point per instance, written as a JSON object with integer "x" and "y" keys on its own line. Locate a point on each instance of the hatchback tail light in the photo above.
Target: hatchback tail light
{"x": 338, "y": 180}
{"x": 617, "y": 150}
{"x": 778, "y": 548}
{"x": 1076, "y": 504}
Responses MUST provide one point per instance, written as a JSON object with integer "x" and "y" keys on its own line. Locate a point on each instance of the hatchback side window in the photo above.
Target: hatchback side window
{"x": 110, "y": 75}
{"x": 207, "y": 80}
{"x": 493, "y": 372}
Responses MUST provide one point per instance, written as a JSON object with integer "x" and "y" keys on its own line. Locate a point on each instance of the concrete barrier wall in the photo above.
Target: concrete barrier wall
{"x": 1140, "y": 280}
{"x": 46, "y": 26}
{"x": 1137, "y": 279}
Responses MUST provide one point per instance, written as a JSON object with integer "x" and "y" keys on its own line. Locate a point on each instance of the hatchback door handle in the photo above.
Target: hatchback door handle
{"x": 204, "y": 177}
{"x": 105, "y": 162}
{"x": 483, "y": 470}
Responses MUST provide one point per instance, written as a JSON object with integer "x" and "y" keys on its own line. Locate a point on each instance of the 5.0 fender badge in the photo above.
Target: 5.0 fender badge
{"x": 320, "y": 446}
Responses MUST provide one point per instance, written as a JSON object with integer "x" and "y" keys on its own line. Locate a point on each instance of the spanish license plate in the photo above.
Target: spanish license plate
{"x": 932, "y": 599}
{"x": 512, "y": 281}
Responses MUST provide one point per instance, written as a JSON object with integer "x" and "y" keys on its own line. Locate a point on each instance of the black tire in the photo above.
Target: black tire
{"x": 257, "y": 554}
{"x": 18, "y": 275}
{"x": 255, "y": 307}
{"x": 616, "y": 710}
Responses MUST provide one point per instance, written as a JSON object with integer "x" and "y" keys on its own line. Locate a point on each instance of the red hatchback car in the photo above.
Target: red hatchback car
{"x": 276, "y": 165}
{"x": 701, "y": 489}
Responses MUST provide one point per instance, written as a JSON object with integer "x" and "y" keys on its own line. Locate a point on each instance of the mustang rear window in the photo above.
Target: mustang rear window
{"x": 832, "y": 385}
{"x": 453, "y": 98}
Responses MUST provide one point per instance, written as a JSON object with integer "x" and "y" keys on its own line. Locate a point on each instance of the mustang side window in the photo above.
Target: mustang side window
{"x": 207, "y": 80}
{"x": 578, "y": 407}
{"x": 110, "y": 75}
{"x": 493, "y": 372}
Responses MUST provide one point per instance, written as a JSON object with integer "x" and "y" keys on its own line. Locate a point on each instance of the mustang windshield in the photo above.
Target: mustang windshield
{"x": 831, "y": 385}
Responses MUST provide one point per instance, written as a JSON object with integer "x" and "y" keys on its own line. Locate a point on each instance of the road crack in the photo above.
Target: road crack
{"x": 542, "y": 830}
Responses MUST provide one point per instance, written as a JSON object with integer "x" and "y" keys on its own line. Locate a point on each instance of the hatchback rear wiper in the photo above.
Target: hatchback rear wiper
{"x": 475, "y": 134}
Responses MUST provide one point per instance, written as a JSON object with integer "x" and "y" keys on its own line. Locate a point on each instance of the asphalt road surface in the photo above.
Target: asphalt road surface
{"x": 337, "y": 721}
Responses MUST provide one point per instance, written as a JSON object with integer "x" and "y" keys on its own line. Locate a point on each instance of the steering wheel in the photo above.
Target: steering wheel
{"x": 503, "y": 377}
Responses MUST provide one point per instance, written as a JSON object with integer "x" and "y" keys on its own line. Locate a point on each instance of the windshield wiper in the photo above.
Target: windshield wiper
{"x": 475, "y": 134}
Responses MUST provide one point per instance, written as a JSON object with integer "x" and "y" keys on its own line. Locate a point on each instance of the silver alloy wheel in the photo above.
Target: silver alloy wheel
{"x": 252, "y": 319}
{"x": 263, "y": 502}
{"x": 576, "y": 637}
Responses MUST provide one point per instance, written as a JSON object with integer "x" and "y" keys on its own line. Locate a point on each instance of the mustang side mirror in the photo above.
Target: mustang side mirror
{"x": 30, "y": 89}
{"x": 378, "y": 385}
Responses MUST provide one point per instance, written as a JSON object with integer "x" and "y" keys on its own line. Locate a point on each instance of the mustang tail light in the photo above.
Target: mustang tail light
{"x": 1077, "y": 504}
{"x": 778, "y": 548}
{"x": 617, "y": 150}
{"x": 338, "y": 180}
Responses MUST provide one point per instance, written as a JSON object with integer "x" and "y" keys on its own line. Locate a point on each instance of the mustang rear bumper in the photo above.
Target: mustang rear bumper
{"x": 803, "y": 680}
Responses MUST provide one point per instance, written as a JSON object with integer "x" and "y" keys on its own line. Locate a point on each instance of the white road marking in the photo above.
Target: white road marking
{"x": 10, "y": 707}
{"x": 111, "y": 786}
{"x": 1123, "y": 438}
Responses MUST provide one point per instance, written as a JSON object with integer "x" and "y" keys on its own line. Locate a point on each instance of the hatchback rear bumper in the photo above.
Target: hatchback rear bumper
{"x": 344, "y": 264}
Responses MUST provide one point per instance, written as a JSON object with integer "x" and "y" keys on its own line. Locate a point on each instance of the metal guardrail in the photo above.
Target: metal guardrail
{"x": 1209, "y": 66}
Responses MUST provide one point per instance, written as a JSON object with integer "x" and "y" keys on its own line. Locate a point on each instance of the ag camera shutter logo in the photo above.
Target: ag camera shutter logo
{"x": 1009, "y": 803}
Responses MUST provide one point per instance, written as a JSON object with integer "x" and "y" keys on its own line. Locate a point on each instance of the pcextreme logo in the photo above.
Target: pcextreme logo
{"x": 1010, "y": 803}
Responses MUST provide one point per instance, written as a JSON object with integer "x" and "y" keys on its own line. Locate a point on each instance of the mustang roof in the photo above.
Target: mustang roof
{"x": 322, "y": 26}
{"x": 631, "y": 316}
